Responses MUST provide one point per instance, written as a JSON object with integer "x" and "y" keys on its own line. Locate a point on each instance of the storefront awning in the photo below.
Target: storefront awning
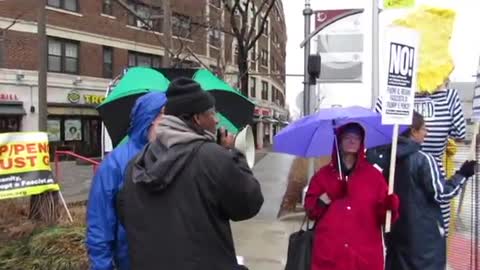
{"x": 12, "y": 109}
{"x": 71, "y": 111}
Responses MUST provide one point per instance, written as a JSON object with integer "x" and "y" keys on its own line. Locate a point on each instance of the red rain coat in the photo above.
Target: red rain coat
{"x": 348, "y": 232}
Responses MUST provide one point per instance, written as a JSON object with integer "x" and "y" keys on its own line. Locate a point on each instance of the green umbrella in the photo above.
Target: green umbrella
{"x": 208, "y": 81}
{"x": 115, "y": 110}
{"x": 235, "y": 107}
{"x": 225, "y": 123}
{"x": 138, "y": 80}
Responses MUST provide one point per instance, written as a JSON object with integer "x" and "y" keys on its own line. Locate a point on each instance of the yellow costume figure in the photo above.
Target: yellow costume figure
{"x": 435, "y": 26}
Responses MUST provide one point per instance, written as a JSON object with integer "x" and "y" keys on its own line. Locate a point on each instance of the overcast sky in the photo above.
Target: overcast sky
{"x": 465, "y": 44}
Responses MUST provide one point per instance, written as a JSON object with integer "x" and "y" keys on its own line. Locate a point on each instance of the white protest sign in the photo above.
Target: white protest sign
{"x": 398, "y": 76}
{"x": 398, "y": 83}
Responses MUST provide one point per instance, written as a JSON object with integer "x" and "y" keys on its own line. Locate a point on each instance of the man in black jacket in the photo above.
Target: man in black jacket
{"x": 417, "y": 240}
{"x": 182, "y": 190}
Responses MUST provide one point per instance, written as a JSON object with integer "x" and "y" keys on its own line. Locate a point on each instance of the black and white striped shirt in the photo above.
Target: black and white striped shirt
{"x": 443, "y": 191}
{"x": 444, "y": 118}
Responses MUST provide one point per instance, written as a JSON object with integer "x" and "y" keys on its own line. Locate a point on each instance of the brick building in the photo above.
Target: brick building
{"x": 92, "y": 41}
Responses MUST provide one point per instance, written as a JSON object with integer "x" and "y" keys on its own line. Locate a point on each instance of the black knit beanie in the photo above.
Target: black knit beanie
{"x": 186, "y": 97}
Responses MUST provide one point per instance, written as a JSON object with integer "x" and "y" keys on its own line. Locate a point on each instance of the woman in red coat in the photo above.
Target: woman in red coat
{"x": 349, "y": 212}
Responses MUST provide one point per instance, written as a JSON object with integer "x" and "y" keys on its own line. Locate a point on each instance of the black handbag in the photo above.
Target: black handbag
{"x": 300, "y": 246}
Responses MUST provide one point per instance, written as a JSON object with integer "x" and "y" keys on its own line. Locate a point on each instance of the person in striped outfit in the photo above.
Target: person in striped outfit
{"x": 444, "y": 118}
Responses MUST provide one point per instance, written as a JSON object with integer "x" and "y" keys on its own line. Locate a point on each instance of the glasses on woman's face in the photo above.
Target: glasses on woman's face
{"x": 351, "y": 137}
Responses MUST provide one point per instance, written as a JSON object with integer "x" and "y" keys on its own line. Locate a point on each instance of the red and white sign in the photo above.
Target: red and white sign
{"x": 8, "y": 97}
{"x": 325, "y": 17}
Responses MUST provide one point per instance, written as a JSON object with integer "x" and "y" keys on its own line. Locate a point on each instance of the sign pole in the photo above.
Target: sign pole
{"x": 391, "y": 177}
{"x": 398, "y": 84}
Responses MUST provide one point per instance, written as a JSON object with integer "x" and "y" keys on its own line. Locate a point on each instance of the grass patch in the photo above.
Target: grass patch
{"x": 24, "y": 245}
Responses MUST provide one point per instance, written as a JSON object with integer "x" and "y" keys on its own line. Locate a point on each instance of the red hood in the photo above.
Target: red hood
{"x": 361, "y": 155}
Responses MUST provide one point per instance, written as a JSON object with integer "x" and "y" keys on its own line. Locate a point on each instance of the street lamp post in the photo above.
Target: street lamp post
{"x": 42, "y": 66}
{"x": 307, "y": 13}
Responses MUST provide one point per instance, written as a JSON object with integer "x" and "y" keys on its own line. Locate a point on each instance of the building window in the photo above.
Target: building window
{"x": 235, "y": 52}
{"x": 107, "y": 62}
{"x": 107, "y": 7}
{"x": 70, "y": 5}
{"x": 264, "y": 58}
{"x": 274, "y": 93}
{"x": 253, "y": 87}
{"x": 63, "y": 56}
{"x": 275, "y": 39}
{"x": 253, "y": 56}
{"x": 143, "y": 59}
{"x": 181, "y": 26}
{"x": 264, "y": 90}
{"x": 214, "y": 36}
{"x": 281, "y": 101}
{"x": 266, "y": 29}
{"x": 146, "y": 12}
{"x": 10, "y": 123}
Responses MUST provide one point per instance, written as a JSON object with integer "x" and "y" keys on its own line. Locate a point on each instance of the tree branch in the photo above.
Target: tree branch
{"x": 15, "y": 20}
{"x": 207, "y": 26}
{"x": 196, "y": 57}
{"x": 233, "y": 22}
{"x": 244, "y": 19}
{"x": 254, "y": 19}
{"x": 262, "y": 27}
{"x": 146, "y": 23}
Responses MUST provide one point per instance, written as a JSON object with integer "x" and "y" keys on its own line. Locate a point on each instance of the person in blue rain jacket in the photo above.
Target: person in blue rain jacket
{"x": 106, "y": 240}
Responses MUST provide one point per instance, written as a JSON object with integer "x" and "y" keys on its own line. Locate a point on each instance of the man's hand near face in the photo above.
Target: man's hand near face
{"x": 226, "y": 139}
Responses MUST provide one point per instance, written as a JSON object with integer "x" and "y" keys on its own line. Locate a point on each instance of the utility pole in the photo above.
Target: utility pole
{"x": 307, "y": 13}
{"x": 43, "y": 206}
{"x": 42, "y": 66}
{"x": 167, "y": 31}
{"x": 2, "y": 48}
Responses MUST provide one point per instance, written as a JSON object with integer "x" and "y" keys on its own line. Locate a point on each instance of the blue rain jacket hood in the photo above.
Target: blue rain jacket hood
{"x": 106, "y": 239}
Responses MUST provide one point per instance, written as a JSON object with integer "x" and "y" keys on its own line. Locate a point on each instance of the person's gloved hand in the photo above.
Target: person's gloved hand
{"x": 335, "y": 191}
{"x": 392, "y": 203}
{"x": 468, "y": 168}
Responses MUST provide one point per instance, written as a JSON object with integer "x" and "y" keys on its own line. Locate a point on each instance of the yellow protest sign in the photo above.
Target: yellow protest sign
{"x": 387, "y": 4}
{"x": 25, "y": 165}
{"x": 435, "y": 26}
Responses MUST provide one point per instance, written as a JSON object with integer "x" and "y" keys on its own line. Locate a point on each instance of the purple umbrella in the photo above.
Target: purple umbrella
{"x": 313, "y": 135}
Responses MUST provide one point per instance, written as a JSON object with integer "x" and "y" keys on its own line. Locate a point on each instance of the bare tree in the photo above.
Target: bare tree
{"x": 244, "y": 15}
{"x": 174, "y": 56}
{"x": 149, "y": 18}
